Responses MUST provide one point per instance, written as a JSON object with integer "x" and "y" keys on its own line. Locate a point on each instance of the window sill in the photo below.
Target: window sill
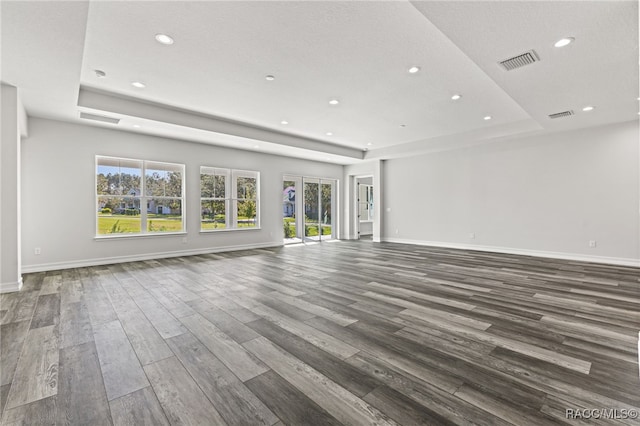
{"x": 127, "y": 236}
{"x": 213, "y": 231}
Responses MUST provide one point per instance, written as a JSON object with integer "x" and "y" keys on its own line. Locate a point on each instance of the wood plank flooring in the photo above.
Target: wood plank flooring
{"x": 353, "y": 333}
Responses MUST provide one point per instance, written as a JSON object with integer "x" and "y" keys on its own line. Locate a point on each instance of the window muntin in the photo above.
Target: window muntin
{"x": 129, "y": 204}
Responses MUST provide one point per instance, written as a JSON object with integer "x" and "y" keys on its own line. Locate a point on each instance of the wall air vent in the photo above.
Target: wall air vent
{"x": 562, "y": 114}
{"x": 99, "y": 118}
{"x": 526, "y": 58}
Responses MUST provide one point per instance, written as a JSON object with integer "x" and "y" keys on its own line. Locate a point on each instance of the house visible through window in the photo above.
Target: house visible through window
{"x": 121, "y": 191}
{"x": 229, "y": 199}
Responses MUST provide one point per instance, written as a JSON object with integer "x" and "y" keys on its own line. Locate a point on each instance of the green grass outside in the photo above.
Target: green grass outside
{"x": 161, "y": 224}
{"x": 157, "y": 223}
{"x": 132, "y": 224}
{"x": 126, "y": 224}
{"x": 209, "y": 225}
{"x": 289, "y": 224}
{"x": 312, "y": 230}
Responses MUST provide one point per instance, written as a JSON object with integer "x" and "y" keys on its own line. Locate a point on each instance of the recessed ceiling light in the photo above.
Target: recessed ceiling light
{"x": 164, "y": 39}
{"x": 564, "y": 41}
{"x": 270, "y": 78}
{"x": 137, "y": 126}
{"x": 414, "y": 70}
{"x": 334, "y": 102}
{"x": 456, "y": 97}
{"x": 100, "y": 73}
{"x": 488, "y": 117}
{"x": 138, "y": 84}
{"x": 329, "y": 134}
{"x": 588, "y": 108}
{"x": 369, "y": 144}
{"x": 284, "y": 122}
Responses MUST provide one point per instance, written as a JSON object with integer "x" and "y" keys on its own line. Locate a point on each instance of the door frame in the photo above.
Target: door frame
{"x": 299, "y": 204}
{"x": 356, "y": 202}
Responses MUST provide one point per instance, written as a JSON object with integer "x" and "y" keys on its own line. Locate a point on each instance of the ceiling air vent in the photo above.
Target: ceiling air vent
{"x": 562, "y": 114}
{"x": 521, "y": 60}
{"x": 99, "y": 118}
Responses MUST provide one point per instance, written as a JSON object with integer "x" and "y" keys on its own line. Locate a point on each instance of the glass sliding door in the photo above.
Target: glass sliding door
{"x": 312, "y": 209}
{"x": 319, "y": 209}
{"x": 291, "y": 205}
{"x": 308, "y": 209}
{"x": 326, "y": 203}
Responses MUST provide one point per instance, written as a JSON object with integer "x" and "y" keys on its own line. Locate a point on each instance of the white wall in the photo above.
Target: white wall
{"x": 10, "y": 119}
{"x": 545, "y": 195}
{"x": 58, "y": 202}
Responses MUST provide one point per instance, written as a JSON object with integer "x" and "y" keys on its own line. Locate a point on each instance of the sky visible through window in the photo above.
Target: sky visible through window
{"x": 114, "y": 170}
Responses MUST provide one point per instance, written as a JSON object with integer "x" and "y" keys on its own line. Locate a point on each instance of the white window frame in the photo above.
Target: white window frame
{"x": 217, "y": 171}
{"x": 231, "y": 198}
{"x": 143, "y": 197}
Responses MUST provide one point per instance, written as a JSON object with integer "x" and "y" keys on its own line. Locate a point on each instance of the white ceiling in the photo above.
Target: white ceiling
{"x": 213, "y": 76}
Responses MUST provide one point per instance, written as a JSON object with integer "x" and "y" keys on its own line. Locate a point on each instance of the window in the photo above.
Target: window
{"x": 129, "y": 204}
{"x": 214, "y": 204}
{"x": 228, "y": 199}
{"x": 246, "y": 199}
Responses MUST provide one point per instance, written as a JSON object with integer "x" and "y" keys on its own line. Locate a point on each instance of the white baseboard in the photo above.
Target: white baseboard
{"x": 11, "y": 287}
{"x": 134, "y": 258}
{"x": 525, "y": 252}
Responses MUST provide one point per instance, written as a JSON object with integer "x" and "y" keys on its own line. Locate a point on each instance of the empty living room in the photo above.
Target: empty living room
{"x": 319, "y": 212}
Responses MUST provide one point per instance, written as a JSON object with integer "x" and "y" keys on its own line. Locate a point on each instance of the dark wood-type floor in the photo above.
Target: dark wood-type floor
{"x": 334, "y": 333}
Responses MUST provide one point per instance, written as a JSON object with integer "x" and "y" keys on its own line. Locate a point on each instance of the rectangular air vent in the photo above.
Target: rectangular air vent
{"x": 99, "y": 118}
{"x": 562, "y": 114}
{"x": 521, "y": 60}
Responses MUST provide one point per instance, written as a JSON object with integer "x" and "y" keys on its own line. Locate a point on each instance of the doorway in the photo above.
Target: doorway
{"x": 365, "y": 208}
{"x": 308, "y": 209}
{"x": 291, "y": 205}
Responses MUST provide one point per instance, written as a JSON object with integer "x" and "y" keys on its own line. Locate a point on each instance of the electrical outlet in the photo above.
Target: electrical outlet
{"x": 592, "y": 243}
{"x": 37, "y": 251}
{"x": 397, "y": 231}
{"x": 184, "y": 240}
{"x": 472, "y": 236}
